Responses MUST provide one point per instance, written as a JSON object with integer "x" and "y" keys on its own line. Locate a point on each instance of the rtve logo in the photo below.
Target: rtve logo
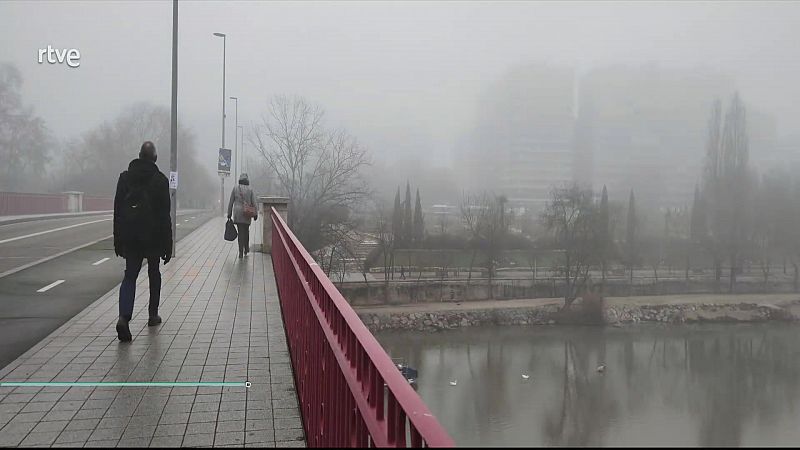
{"x": 71, "y": 56}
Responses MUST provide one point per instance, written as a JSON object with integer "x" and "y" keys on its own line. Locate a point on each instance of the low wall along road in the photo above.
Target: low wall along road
{"x": 19, "y": 203}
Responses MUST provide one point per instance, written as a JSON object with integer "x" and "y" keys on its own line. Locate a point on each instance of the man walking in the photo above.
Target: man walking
{"x": 142, "y": 229}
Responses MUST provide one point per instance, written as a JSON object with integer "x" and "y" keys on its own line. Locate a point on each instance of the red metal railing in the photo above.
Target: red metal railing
{"x": 351, "y": 393}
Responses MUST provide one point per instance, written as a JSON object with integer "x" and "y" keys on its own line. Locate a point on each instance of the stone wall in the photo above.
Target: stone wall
{"x": 445, "y": 320}
{"x": 551, "y": 314}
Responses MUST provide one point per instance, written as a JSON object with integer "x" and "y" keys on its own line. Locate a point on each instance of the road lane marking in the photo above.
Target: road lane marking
{"x": 52, "y": 257}
{"x": 51, "y": 286}
{"x": 51, "y": 231}
{"x": 100, "y": 262}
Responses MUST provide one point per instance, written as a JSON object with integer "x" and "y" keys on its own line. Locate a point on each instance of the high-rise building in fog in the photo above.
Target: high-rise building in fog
{"x": 523, "y": 138}
{"x": 640, "y": 128}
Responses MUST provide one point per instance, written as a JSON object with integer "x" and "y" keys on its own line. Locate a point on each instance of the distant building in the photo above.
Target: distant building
{"x": 640, "y": 128}
{"x": 442, "y": 217}
{"x": 523, "y": 140}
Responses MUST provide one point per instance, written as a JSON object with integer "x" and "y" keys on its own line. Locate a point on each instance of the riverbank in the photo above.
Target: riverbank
{"x": 615, "y": 311}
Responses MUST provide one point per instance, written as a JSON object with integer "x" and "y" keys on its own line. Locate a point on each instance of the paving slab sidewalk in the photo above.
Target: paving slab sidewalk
{"x": 222, "y": 322}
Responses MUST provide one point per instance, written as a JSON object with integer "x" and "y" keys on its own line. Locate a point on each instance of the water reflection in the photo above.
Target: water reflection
{"x": 721, "y": 385}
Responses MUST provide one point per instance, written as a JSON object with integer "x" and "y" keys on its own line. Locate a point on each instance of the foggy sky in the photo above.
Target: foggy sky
{"x": 402, "y": 77}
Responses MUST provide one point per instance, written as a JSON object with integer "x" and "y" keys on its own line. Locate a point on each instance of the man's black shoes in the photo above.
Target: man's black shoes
{"x": 123, "y": 331}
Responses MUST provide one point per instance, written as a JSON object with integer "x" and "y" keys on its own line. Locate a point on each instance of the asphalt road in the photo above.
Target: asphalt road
{"x": 27, "y": 315}
{"x": 26, "y": 242}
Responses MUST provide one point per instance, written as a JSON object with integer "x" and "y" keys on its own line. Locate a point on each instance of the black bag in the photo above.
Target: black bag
{"x": 138, "y": 220}
{"x": 230, "y": 231}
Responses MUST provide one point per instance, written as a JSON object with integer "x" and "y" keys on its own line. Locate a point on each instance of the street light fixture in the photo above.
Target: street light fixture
{"x": 221, "y": 176}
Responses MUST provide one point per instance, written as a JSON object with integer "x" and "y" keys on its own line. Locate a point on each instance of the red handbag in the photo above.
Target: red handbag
{"x": 248, "y": 209}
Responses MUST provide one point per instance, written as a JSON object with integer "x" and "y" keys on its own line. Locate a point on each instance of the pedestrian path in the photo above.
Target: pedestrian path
{"x": 222, "y": 323}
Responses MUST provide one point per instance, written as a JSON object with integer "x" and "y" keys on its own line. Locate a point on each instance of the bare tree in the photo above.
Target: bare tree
{"x": 24, "y": 138}
{"x": 728, "y": 186}
{"x": 383, "y": 230}
{"x": 335, "y": 257}
{"x": 698, "y": 228}
{"x": 471, "y": 215}
{"x": 94, "y": 160}
{"x": 569, "y": 216}
{"x": 792, "y": 230}
{"x": 532, "y": 255}
{"x": 484, "y": 215}
{"x": 737, "y": 182}
{"x": 318, "y": 169}
{"x": 712, "y": 190}
{"x": 773, "y": 231}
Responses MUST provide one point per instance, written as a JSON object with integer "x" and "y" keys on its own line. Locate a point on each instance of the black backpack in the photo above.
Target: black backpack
{"x": 138, "y": 219}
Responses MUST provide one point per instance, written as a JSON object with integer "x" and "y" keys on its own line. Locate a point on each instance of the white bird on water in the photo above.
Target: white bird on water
{"x": 454, "y": 383}
{"x": 601, "y": 368}
{"x": 525, "y": 377}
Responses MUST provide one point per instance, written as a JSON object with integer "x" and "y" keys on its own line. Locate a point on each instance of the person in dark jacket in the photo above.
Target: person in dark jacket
{"x": 242, "y": 195}
{"x": 142, "y": 230}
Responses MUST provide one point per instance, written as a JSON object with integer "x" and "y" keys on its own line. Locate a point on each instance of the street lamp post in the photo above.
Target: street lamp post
{"x": 173, "y": 160}
{"x": 243, "y": 167}
{"x": 236, "y": 148}
{"x": 222, "y": 176}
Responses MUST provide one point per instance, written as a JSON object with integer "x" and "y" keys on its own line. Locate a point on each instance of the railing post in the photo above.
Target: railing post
{"x": 281, "y": 204}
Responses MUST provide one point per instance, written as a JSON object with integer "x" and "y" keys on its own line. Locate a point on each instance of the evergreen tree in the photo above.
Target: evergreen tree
{"x": 419, "y": 221}
{"x": 630, "y": 232}
{"x": 408, "y": 220}
{"x": 697, "y": 224}
{"x": 604, "y": 234}
{"x": 397, "y": 219}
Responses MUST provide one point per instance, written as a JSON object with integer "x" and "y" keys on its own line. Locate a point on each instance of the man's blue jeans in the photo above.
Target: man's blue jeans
{"x": 127, "y": 292}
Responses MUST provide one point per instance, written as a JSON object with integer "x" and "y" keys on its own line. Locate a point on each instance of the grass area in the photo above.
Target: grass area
{"x": 462, "y": 258}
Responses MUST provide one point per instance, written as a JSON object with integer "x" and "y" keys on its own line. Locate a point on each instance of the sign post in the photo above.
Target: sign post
{"x": 224, "y": 170}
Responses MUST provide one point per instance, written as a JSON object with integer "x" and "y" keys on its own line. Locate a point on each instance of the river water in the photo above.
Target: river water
{"x": 708, "y": 385}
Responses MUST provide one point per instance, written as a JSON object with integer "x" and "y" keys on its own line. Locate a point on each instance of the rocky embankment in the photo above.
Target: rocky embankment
{"x": 617, "y": 311}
